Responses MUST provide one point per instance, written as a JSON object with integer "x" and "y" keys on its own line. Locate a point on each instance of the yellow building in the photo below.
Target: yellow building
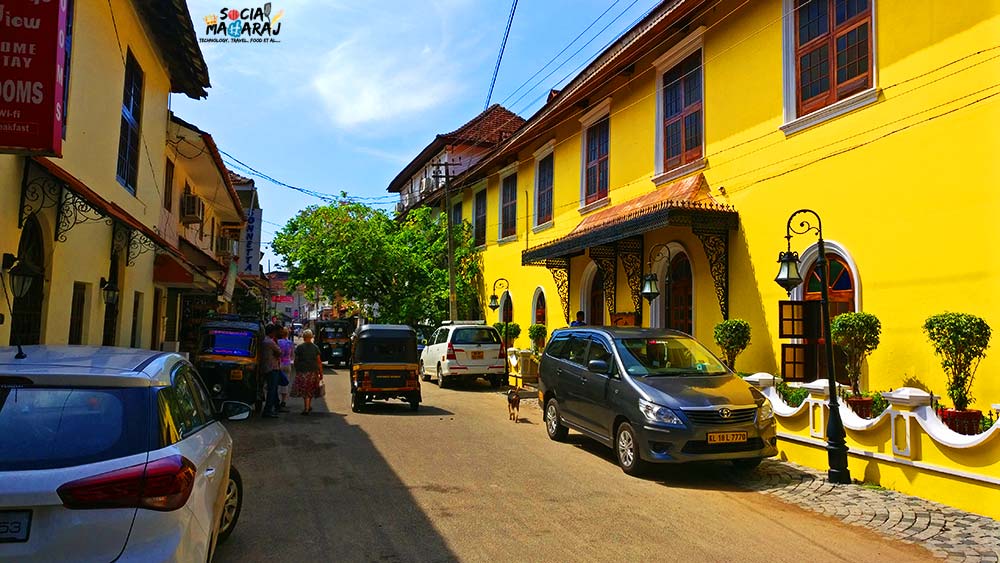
{"x": 85, "y": 226}
{"x": 686, "y": 145}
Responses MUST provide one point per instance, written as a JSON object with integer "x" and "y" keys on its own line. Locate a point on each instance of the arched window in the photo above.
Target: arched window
{"x": 678, "y": 313}
{"x": 840, "y": 286}
{"x": 540, "y": 309}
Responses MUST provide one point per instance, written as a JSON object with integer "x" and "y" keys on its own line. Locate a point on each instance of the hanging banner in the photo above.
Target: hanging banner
{"x": 250, "y": 245}
{"x": 32, "y": 59}
{"x": 230, "y": 284}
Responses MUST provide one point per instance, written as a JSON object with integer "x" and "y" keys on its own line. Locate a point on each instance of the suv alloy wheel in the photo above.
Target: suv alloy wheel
{"x": 553, "y": 427}
{"x": 627, "y": 450}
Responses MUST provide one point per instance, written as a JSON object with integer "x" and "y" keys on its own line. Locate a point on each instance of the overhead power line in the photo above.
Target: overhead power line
{"x": 496, "y": 69}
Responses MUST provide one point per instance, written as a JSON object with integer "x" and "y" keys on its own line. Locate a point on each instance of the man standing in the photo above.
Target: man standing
{"x": 271, "y": 360}
{"x": 579, "y": 320}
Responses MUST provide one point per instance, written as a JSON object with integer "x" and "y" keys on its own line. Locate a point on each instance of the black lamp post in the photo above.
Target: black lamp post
{"x": 110, "y": 291}
{"x": 21, "y": 276}
{"x": 789, "y": 278}
{"x": 650, "y": 285}
{"x": 503, "y": 284}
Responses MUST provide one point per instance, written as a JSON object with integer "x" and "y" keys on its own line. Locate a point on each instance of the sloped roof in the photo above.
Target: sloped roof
{"x": 493, "y": 125}
{"x": 681, "y": 203}
{"x": 170, "y": 25}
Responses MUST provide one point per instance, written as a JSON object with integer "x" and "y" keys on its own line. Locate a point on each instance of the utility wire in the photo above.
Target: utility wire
{"x": 496, "y": 69}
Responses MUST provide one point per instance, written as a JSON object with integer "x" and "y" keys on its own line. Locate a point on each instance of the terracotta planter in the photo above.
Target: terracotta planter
{"x": 862, "y": 406}
{"x": 964, "y": 422}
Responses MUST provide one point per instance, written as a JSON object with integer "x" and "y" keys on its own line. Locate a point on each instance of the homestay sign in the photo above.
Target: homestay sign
{"x": 32, "y": 57}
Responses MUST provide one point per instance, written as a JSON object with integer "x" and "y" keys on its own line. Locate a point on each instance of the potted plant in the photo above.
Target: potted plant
{"x": 537, "y": 334}
{"x": 857, "y": 334}
{"x": 733, "y": 336}
{"x": 508, "y": 333}
{"x": 961, "y": 340}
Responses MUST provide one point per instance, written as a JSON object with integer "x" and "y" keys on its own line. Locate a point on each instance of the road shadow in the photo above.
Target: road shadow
{"x": 396, "y": 408}
{"x": 701, "y": 475}
{"x": 317, "y": 489}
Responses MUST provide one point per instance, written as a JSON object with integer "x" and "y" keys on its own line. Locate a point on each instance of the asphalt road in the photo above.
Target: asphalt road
{"x": 458, "y": 481}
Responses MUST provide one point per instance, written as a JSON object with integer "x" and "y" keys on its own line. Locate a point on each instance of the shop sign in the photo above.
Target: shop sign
{"x": 250, "y": 245}
{"x": 32, "y": 57}
{"x": 282, "y": 299}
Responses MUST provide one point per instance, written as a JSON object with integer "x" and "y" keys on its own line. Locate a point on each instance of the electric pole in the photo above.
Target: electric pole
{"x": 452, "y": 296}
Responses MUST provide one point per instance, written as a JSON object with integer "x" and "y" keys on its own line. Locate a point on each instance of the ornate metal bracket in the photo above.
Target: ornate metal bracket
{"x": 138, "y": 244}
{"x": 630, "y": 253}
{"x": 716, "y": 245}
{"x": 605, "y": 256}
{"x": 559, "y": 268}
{"x": 73, "y": 211}
{"x": 38, "y": 191}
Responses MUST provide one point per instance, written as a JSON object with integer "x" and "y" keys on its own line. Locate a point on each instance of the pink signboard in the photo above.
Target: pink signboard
{"x": 32, "y": 57}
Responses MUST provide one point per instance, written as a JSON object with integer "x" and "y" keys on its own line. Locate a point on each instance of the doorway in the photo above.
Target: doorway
{"x": 26, "y": 311}
{"x": 679, "y": 303}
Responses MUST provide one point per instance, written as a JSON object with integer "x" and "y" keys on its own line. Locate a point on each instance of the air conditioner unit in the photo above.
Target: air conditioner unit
{"x": 399, "y": 207}
{"x": 192, "y": 209}
{"x": 427, "y": 184}
{"x": 225, "y": 246}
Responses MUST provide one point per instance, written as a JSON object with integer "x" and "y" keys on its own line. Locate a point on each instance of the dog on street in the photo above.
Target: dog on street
{"x": 513, "y": 404}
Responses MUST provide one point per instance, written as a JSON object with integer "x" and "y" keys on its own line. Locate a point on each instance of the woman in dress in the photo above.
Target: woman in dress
{"x": 308, "y": 371}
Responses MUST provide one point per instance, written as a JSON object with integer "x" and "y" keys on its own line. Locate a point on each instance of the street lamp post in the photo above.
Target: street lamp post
{"x": 650, "y": 285}
{"x": 21, "y": 277}
{"x": 789, "y": 278}
{"x": 503, "y": 284}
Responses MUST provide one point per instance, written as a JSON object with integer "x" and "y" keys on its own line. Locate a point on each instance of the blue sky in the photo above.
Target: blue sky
{"x": 355, "y": 89}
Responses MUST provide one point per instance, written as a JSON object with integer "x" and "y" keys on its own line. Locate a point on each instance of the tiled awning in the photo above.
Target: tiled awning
{"x": 683, "y": 203}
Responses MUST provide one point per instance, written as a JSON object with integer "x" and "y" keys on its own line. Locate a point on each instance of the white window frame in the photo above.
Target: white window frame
{"x": 539, "y": 155}
{"x": 667, "y": 61}
{"x": 597, "y": 113}
{"x": 505, "y": 173}
{"x": 793, "y": 123}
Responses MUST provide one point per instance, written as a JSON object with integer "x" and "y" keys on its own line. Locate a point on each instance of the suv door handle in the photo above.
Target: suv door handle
{"x": 210, "y": 472}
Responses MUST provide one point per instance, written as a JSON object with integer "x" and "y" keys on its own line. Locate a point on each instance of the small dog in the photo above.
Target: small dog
{"x": 513, "y": 404}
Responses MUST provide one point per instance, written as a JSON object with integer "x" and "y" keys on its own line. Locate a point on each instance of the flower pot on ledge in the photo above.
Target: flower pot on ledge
{"x": 964, "y": 422}
{"x": 862, "y": 406}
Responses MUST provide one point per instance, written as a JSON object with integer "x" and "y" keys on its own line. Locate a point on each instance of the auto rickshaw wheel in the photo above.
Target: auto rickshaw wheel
{"x": 357, "y": 401}
{"x": 414, "y": 405}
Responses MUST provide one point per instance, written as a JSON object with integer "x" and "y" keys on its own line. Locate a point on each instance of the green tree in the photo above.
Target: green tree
{"x": 364, "y": 254}
{"x": 961, "y": 340}
{"x": 733, "y": 336}
{"x": 857, "y": 334}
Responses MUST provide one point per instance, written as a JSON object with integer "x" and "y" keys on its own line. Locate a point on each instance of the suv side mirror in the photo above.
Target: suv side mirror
{"x": 235, "y": 410}
{"x": 598, "y": 366}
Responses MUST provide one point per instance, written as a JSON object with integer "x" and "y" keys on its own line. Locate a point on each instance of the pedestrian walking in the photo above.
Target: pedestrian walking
{"x": 308, "y": 371}
{"x": 287, "y": 349}
{"x": 271, "y": 360}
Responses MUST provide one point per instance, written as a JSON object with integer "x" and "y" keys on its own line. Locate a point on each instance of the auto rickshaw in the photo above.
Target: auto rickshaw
{"x": 228, "y": 359}
{"x": 385, "y": 365}
{"x": 334, "y": 341}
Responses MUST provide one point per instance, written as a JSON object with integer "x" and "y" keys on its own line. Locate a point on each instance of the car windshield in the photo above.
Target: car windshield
{"x": 229, "y": 342}
{"x": 46, "y": 428}
{"x": 484, "y": 335}
{"x": 667, "y": 355}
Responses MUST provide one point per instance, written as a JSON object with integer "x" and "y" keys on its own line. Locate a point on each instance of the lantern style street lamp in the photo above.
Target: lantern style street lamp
{"x": 650, "y": 284}
{"x": 789, "y": 278}
{"x": 110, "y": 291}
{"x": 21, "y": 275}
{"x": 503, "y": 284}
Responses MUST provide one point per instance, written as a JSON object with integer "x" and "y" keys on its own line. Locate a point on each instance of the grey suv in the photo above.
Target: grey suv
{"x": 653, "y": 395}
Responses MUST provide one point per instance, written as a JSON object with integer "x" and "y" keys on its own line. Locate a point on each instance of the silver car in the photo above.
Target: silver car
{"x": 654, "y": 396}
{"x": 112, "y": 454}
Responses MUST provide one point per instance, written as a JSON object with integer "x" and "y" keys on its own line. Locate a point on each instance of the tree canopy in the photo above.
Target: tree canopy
{"x": 364, "y": 254}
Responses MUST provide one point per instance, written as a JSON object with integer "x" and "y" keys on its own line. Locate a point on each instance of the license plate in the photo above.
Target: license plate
{"x": 14, "y": 525}
{"x": 477, "y": 355}
{"x": 236, "y": 374}
{"x": 726, "y": 437}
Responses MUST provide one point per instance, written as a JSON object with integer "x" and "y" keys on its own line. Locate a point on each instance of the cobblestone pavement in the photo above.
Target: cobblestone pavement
{"x": 949, "y": 533}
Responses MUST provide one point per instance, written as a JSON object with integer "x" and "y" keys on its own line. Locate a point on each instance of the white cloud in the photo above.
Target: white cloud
{"x": 359, "y": 83}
